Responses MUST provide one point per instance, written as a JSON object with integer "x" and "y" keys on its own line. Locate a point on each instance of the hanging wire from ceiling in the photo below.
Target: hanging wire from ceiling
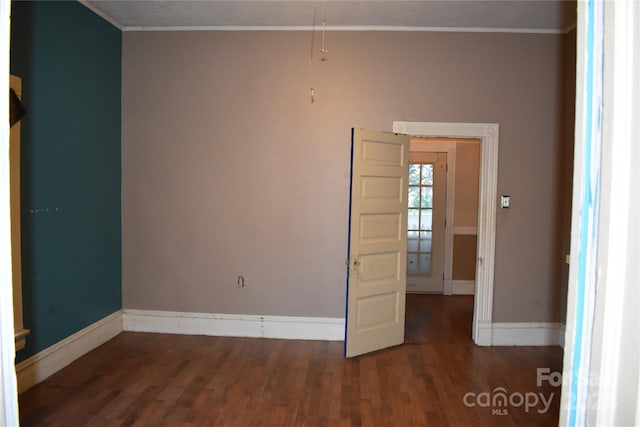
{"x": 313, "y": 35}
{"x": 323, "y": 50}
{"x": 324, "y": 30}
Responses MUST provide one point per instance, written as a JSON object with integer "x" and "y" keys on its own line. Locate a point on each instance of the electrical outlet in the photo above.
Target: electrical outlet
{"x": 241, "y": 281}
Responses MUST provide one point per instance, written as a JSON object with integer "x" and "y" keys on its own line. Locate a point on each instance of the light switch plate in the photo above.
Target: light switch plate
{"x": 505, "y": 202}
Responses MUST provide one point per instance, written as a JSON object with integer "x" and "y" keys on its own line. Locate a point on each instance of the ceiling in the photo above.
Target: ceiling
{"x": 553, "y": 16}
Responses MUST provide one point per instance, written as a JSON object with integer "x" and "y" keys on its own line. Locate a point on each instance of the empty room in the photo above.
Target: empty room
{"x": 319, "y": 213}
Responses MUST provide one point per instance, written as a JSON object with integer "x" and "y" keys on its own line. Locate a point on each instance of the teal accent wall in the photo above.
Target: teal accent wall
{"x": 69, "y": 60}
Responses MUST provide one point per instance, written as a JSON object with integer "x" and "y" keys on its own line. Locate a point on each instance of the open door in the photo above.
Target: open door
{"x": 377, "y": 257}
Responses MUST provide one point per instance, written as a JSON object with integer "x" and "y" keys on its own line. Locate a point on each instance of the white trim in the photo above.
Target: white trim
{"x": 447, "y": 287}
{"x": 421, "y": 288}
{"x": 451, "y": 287}
{"x": 101, "y": 14}
{"x": 42, "y": 365}
{"x": 465, "y": 231}
{"x": 488, "y": 133}
{"x": 527, "y": 334}
{"x": 460, "y": 287}
{"x": 483, "y": 333}
{"x": 569, "y": 405}
{"x": 235, "y": 325}
{"x": 584, "y": 270}
{"x": 615, "y": 339}
{"x": 392, "y": 28}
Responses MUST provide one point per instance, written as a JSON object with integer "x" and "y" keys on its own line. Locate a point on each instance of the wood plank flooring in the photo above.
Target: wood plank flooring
{"x": 140, "y": 379}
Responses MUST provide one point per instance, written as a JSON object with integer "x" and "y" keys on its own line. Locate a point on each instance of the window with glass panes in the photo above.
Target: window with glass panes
{"x": 420, "y": 233}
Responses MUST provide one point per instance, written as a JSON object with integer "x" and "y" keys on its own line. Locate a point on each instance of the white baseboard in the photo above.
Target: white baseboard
{"x": 465, "y": 231}
{"x": 459, "y": 287}
{"x": 463, "y": 287}
{"x": 447, "y": 287}
{"x": 235, "y": 325}
{"x": 535, "y": 334}
{"x": 484, "y": 334}
{"x": 42, "y": 365}
{"x": 423, "y": 288}
{"x": 521, "y": 334}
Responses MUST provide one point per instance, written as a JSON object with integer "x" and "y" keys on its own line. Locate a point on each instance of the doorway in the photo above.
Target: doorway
{"x": 380, "y": 165}
{"x": 451, "y": 224}
{"x": 486, "y": 224}
{"x": 434, "y": 313}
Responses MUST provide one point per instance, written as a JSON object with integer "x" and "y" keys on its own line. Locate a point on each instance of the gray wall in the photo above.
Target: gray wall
{"x": 228, "y": 168}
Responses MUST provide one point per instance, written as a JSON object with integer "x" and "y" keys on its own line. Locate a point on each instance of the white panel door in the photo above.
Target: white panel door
{"x": 376, "y": 279}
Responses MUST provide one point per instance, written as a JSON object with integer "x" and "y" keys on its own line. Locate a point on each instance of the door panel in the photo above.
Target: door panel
{"x": 376, "y": 268}
{"x": 376, "y": 280}
{"x": 377, "y": 312}
{"x": 381, "y": 153}
{"x": 380, "y": 189}
{"x": 380, "y": 227}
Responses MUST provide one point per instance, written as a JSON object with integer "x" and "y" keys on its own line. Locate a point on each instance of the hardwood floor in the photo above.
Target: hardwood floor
{"x": 140, "y": 379}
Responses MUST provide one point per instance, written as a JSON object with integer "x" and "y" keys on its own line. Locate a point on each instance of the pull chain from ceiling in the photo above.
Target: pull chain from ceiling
{"x": 324, "y": 29}
{"x": 323, "y": 50}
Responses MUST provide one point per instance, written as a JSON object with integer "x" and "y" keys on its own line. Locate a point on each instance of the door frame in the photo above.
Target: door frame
{"x": 487, "y": 207}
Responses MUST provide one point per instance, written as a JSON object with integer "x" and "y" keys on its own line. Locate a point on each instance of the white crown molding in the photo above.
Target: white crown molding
{"x": 393, "y": 28}
{"x": 346, "y": 28}
{"x": 235, "y": 325}
{"x": 42, "y": 365}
